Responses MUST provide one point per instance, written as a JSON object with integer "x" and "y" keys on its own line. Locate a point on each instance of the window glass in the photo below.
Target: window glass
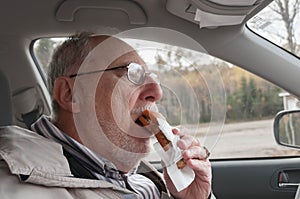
{"x": 190, "y": 81}
{"x": 43, "y": 50}
{"x": 280, "y": 23}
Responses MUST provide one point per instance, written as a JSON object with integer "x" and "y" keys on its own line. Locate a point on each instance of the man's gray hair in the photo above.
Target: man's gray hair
{"x": 67, "y": 57}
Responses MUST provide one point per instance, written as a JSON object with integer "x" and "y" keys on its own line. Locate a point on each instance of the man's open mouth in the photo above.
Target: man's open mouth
{"x": 138, "y": 122}
{"x": 143, "y": 114}
{"x": 144, "y": 119}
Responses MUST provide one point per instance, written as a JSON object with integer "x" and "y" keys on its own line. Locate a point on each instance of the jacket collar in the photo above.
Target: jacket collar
{"x": 25, "y": 151}
{"x": 38, "y": 160}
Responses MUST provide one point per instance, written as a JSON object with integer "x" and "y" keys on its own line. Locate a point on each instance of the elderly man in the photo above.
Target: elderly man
{"x": 99, "y": 87}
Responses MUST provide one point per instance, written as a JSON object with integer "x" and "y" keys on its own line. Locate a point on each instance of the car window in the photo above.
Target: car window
{"x": 279, "y": 23}
{"x": 202, "y": 92}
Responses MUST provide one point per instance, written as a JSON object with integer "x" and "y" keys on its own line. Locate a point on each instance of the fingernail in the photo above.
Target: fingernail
{"x": 175, "y": 130}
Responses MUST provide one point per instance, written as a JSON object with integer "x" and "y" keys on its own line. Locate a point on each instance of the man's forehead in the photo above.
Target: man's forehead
{"x": 109, "y": 51}
{"x": 107, "y": 41}
{"x": 127, "y": 58}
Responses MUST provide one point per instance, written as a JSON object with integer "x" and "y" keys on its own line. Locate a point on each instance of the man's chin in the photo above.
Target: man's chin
{"x": 144, "y": 140}
{"x": 139, "y": 132}
{"x": 131, "y": 157}
{"x": 144, "y": 145}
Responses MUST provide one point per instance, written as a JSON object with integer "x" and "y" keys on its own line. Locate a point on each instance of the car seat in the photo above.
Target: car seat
{"x": 5, "y": 100}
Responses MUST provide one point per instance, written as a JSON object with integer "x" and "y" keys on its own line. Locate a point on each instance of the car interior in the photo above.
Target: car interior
{"x": 217, "y": 28}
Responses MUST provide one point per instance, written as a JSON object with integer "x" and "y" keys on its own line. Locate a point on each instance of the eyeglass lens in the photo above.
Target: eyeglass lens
{"x": 136, "y": 73}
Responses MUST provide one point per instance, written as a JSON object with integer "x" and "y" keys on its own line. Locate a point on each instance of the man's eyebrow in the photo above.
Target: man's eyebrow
{"x": 97, "y": 71}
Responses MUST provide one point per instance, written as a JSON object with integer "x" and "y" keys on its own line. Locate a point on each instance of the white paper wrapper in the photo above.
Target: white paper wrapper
{"x": 181, "y": 178}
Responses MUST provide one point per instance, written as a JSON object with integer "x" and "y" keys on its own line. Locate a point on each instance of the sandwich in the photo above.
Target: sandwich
{"x": 149, "y": 120}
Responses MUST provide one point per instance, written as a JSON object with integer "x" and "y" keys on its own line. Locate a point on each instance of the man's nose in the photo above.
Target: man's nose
{"x": 154, "y": 77}
{"x": 151, "y": 89}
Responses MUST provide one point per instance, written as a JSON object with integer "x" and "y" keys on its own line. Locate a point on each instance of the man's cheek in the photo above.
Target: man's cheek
{"x": 120, "y": 110}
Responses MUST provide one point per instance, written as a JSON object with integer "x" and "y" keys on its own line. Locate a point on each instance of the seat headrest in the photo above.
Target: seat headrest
{"x": 5, "y": 101}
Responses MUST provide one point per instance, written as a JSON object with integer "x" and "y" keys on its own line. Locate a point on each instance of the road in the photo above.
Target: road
{"x": 240, "y": 140}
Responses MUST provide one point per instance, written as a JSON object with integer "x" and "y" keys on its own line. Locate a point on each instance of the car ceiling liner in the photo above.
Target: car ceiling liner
{"x": 213, "y": 13}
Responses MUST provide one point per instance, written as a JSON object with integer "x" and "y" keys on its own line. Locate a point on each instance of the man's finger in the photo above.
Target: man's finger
{"x": 196, "y": 152}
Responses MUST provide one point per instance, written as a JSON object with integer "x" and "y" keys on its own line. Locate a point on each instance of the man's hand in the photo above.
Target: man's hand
{"x": 195, "y": 158}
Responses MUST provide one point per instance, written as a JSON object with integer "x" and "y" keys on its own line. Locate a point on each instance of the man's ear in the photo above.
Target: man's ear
{"x": 63, "y": 94}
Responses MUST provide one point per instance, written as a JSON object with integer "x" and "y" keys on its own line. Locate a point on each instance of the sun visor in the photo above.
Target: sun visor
{"x": 213, "y": 13}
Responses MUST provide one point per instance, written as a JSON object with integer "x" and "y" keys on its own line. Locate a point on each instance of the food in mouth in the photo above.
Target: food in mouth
{"x": 148, "y": 119}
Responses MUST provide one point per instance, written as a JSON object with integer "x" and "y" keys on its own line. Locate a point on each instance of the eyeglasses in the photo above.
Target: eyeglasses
{"x": 135, "y": 73}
